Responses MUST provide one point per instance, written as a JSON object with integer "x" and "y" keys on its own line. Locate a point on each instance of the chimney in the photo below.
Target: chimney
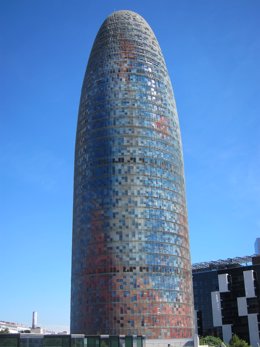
{"x": 34, "y": 320}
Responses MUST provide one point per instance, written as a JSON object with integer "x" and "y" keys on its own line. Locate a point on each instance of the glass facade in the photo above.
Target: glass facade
{"x": 131, "y": 271}
{"x": 79, "y": 340}
{"x": 56, "y": 341}
{"x": 204, "y": 283}
{"x": 34, "y": 340}
{"x": 10, "y": 340}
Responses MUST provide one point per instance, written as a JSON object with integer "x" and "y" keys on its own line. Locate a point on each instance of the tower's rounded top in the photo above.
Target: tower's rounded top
{"x": 125, "y": 12}
{"x": 126, "y": 15}
{"x": 127, "y": 34}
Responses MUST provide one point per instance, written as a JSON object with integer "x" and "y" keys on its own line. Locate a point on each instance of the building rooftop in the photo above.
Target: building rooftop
{"x": 223, "y": 263}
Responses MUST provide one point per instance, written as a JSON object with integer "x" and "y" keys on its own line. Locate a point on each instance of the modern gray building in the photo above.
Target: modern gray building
{"x": 227, "y": 298}
{"x": 131, "y": 271}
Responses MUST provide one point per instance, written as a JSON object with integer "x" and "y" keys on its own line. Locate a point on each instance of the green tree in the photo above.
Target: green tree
{"x": 4, "y": 331}
{"x": 211, "y": 341}
{"x": 237, "y": 342}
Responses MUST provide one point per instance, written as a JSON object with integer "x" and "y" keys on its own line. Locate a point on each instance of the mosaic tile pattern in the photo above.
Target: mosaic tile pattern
{"x": 131, "y": 270}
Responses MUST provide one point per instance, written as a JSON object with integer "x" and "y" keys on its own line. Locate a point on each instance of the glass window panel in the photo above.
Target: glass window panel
{"x": 9, "y": 341}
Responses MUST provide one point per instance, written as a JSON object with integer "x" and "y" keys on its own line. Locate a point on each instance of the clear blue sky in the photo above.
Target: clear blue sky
{"x": 212, "y": 50}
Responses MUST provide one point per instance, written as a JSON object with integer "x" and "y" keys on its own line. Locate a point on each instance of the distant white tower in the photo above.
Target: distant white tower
{"x": 257, "y": 245}
{"x": 34, "y": 320}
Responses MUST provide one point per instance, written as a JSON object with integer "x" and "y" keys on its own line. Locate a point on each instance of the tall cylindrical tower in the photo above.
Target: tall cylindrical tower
{"x": 131, "y": 271}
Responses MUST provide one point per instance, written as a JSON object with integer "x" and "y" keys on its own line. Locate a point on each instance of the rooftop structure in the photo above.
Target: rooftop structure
{"x": 13, "y": 327}
{"x": 222, "y": 263}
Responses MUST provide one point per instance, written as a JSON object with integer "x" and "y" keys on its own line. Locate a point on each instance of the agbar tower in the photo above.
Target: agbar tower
{"x": 131, "y": 271}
